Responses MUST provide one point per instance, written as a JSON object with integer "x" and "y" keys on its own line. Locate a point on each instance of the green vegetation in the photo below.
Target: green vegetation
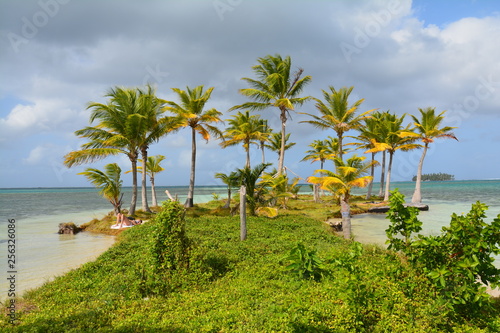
{"x": 435, "y": 177}
{"x": 458, "y": 261}
{"x": 193, "y": 274}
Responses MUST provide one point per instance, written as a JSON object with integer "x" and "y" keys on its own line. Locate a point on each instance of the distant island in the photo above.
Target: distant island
{"x": 435, "y": 177}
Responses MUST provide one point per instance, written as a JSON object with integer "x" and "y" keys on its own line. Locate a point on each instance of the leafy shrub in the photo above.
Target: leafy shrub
{"x": 170, "y": 242}
{"x": 305, "y": 264}
{"x": 458, "y": 262}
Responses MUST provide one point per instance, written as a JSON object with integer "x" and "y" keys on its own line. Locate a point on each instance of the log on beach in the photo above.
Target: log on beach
{"x": 385, "y": 209}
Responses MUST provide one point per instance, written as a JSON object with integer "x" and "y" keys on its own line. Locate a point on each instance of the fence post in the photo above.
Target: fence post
{"x": 243, "y": 212}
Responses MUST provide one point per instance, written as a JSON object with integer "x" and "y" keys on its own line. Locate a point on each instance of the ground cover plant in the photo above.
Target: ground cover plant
{"x": 222, "y": 284}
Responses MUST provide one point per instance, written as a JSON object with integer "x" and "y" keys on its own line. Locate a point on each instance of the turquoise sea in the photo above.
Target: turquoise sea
{"x": 42, "y": 254}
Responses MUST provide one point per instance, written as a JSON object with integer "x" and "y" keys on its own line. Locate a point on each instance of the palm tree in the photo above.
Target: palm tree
{"x": 246, "y": 129}
{"x": 275, "y": 86}
{"x": 190, "y": 113}
{"x": 231, "y": 180}
{"x": 108, "y": 182}
{"x": 154, "y": 126}
{"x": 275, "y": 141}
{"x": 152, "y": 168}
{"x": 427, "y": 129}
{"x": 368, "y": 139}
{"x": 265, "y": 129}
{"x": 321, "y": 151}
{"x": 249, "y": 177}
{"x": 349, "y": 174}
{"x": 337, "y": 114}
{"x": 393, "y": 141}
{"x": 116, "y": 133}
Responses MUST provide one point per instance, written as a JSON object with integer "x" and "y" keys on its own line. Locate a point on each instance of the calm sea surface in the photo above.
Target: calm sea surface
{"x": 42, "y": 254}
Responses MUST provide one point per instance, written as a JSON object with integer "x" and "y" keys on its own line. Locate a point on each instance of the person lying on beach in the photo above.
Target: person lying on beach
{"x": 123, "y": 221}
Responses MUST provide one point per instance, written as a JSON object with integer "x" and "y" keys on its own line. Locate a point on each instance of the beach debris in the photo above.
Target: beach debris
{"x": 385, "y": 209}
{"x": 68, "y": 228}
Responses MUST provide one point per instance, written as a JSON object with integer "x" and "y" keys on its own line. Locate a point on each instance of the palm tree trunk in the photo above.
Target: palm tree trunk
{"x": 228, "y": 202}
{"x": 281, "y": 158}
{"x": 247, "y": 149}
{"x": 417, "y": 195}
{"x": 388, "y": 181}
{"x": 189, "y": 200}
{"x": 341, "y": 149}
{"x": 153, "y": 190}
{"x": 263, "y": 154}
{"x": 145, "y": 206}
{"x": 131, "y": 210}
{"x": 382, "y": 176}
{"x": 372, "y": 174}
{"x": 345, "y": 210}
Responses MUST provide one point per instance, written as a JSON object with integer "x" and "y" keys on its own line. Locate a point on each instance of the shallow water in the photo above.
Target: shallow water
{"x": 443, "y": 198}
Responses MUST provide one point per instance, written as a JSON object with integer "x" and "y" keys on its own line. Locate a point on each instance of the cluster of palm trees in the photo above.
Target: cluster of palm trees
{"x": 135, "y": 118}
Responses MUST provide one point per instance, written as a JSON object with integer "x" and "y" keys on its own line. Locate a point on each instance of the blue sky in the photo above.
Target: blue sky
{"x": 400, "y": 55}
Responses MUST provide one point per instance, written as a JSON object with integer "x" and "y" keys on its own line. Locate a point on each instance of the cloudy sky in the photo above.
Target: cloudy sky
{"x": 400, "y": 55}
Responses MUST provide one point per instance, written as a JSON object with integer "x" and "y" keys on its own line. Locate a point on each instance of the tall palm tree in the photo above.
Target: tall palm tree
{"x": 231, "y": 180}
{"x": 152, "y": 168}
{"x": 275, "y": 86}
{"x": 246, "y": 129}
{"x": 337, "y": 114}
{"x": 427, "y": 129}
{"x": 393, "y": 141}
{"x": 154, "y": 126}
{"x": 349, "y": 174}
{"x": 190, "y": 113}
{"x": 275, "y": 143}
{"x": 108, "y": 182}
{"x": 118, "y": 132}
{"x": 367, "y": 139}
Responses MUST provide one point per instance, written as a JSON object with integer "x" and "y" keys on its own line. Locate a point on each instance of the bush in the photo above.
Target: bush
{"x": 459, "y": 262}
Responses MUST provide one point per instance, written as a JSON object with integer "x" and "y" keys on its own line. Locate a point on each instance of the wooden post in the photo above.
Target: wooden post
{"x": 243, "y": 212}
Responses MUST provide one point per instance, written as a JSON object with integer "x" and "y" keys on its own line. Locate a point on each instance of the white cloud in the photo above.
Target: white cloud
{"x": 42, "y": 116}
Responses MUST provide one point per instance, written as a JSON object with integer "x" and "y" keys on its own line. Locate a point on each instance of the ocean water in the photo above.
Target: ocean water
{"x": 42, "y": 254}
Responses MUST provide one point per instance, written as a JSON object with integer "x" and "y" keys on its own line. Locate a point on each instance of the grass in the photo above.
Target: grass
{"x": 235, "y": 286}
